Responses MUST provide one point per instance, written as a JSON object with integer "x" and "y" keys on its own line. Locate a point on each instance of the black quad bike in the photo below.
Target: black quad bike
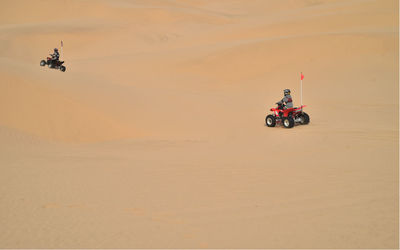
{"x": 53, "y": 64}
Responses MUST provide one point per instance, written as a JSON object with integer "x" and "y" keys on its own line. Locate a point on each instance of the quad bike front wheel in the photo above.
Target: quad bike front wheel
{"x": 304, "y": 118}
{"x": 62, "y": 68}
{"x": 288, "y": 122}
{"x": 270, "y": 120}
{"x": 42, "y": 63}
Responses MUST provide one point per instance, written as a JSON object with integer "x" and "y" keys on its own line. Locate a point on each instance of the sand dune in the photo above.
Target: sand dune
{"x": 154, "y": 137}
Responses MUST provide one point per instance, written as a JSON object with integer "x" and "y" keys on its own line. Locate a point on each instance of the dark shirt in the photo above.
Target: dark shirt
{"x": 55, "y": 56}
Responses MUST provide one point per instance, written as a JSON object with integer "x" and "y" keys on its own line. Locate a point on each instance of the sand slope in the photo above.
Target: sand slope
{"x": 154, "y": 137}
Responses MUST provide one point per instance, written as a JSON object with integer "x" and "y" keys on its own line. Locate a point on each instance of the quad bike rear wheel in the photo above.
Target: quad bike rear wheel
{"x": 42, "y": 63}
{"x": 288, "y": 122}
{"x": 304, "y": 118}
{"x": 270, "y": 120}
{"x": 62, "y": 68}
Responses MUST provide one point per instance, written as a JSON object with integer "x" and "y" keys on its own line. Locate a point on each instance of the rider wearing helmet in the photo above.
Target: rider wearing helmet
{"x": 287, "y": 99}
{"x": 56, "y": 55}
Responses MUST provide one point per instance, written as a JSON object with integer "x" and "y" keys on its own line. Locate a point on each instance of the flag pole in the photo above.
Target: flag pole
{"x": 301, "y": 90}
{"x": 62, "y": 54}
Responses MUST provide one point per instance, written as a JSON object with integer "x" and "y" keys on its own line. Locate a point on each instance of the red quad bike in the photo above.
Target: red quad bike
{"x": 53, "y": 64}
{"x": 288, "y": 117}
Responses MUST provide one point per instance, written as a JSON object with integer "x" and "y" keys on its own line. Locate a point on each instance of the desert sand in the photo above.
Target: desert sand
{"x": 154, "y": 137}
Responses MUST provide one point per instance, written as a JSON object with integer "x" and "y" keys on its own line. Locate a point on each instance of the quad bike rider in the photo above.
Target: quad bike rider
{"x": 56, "y": 55}
{"x": 286, "y": 114}
{"x": 287, "y": 101}
{"x": 54, "y": 61}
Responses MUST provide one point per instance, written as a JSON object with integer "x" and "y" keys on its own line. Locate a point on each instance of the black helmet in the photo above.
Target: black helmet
{"x": 55, "y": 49}
{"x": 286, "y": 92}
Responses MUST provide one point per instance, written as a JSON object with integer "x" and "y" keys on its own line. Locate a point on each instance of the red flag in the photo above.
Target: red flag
{"x": 62, "y": 43}
{"x": 302, "y": 77}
